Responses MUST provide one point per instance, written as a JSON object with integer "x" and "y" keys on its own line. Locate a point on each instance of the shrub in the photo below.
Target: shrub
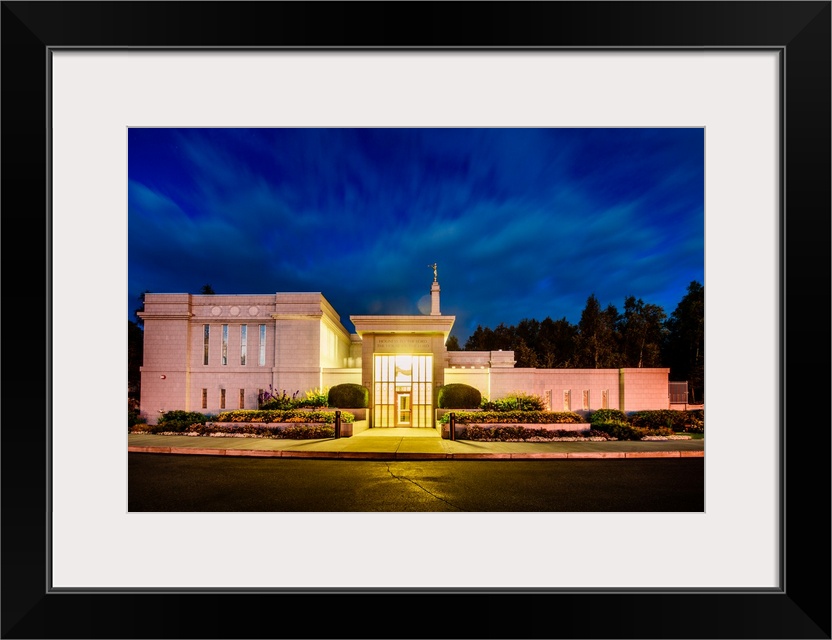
{"x": 618, "y": 430}
{"x": 458, "y": 396}
{"x": 520, "y": 433}
{"x": 271, "y": 399}
{"x": 134, "y": 417}
{"x": 696, "y": 425}
{"x": 311, "y": 399}
{"x": 516, "y": 401}
{"x": 669, "y": 418}
{"x": 621, "y": 430}
{"x": 516, "y": 417}
{"x": 314, "y": 399}
{"x": 287, "y": 415}
{"x": 349, "y": 396}
{"x": 178, "y": 421}
{"x": 608, "y": 415}
{"x": 291, "y": 432}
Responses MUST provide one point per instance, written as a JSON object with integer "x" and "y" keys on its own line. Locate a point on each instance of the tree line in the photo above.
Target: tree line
{"x": 640, "y": 335}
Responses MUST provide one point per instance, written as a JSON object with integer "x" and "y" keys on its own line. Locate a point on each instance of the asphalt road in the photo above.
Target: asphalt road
{"x": 162, "y": 482}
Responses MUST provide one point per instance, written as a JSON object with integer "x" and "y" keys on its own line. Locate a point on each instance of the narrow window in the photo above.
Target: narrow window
{"x": 567, "y": 404}
{"x": 206, "y": 330}
{"x": 243, "y": 341}
{"x": 585, "y": 400}
{"x": 222, "y": 398}
{"x": 605, "y": 399}
{"x": 262, "y": 360}
{"x": 205, "y": 398}
{"x": 224, "y": 354}
{"x": 242, "y": 398}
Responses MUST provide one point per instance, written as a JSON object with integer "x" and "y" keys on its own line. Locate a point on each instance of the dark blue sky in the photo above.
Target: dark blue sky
{"x": 522, "y": 222}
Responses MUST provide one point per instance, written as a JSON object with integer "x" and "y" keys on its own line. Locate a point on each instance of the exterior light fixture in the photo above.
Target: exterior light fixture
{"x": 162, "y": 377}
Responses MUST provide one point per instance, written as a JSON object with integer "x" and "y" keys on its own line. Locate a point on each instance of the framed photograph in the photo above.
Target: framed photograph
{"x": 755, "y": 76}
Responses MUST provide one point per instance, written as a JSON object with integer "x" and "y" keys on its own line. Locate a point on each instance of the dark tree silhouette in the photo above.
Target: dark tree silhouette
{"x": 597, "y": 342}
{"x": 684, "y": 350}
{"x": 642, "y": 333}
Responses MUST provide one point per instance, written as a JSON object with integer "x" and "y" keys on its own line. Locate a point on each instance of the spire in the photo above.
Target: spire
{"x": 434, "y": 293}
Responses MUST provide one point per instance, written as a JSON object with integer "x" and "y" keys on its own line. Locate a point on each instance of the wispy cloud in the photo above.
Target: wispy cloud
{"x": 522, "y": 222}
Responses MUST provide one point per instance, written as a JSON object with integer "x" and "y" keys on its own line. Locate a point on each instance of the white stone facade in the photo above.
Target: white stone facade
{"x": 209, "y": 353}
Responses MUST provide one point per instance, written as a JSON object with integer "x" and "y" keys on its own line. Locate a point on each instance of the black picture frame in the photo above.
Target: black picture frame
{"x": 800, "y": 31}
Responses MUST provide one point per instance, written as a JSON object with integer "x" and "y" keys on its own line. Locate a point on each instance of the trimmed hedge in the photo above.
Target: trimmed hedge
{"x": 290, "y": 432}
{"x": 608, "y": 415}
{"x": 515, "y": 417}
{"x": 516, "y": 401}
{"x": 654, "y": 420}
{"x": 349, "y": 396}
{"x": 625, "y": 431}
{"x": 289, "y": 415}
{"x": 458, "y": 396}
{"x": 670, "y": 418}
{"x": 521, "y": 434}
{"x": 178, "y": 421}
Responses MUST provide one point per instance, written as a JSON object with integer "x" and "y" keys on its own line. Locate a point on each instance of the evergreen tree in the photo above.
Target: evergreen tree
{"x": 685, "y": 342}
{"x": 642, "y": 333}
{"x": 556, "y": 343}
{"x": 135, "y": 356}
{"x": 597, "y": 340}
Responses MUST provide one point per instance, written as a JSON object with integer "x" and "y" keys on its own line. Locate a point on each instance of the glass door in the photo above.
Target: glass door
{"x": 403, "y": 414}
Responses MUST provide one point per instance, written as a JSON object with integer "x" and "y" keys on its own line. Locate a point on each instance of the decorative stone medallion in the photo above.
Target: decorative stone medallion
{"x": 216, "y": 311}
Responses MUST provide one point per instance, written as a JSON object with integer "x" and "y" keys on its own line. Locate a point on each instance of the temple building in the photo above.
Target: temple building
{"x": 212, "y": 353}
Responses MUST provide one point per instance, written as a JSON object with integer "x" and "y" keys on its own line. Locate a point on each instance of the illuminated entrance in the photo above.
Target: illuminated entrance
{"x": 403, "y": 390}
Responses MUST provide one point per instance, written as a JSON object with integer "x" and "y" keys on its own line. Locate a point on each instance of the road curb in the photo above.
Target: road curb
{"x": 412, "y": 455}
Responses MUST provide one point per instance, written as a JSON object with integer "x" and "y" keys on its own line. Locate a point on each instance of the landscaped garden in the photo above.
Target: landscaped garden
{"x": 298, "y": 417}
{"x": 519, "y": 417}
{"x": 523, "y": 417}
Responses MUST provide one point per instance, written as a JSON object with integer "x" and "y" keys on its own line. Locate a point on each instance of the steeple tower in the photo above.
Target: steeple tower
{"x": 434, "y": 293}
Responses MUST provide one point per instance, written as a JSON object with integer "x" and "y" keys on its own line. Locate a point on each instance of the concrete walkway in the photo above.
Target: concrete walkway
{"x": 410, "y": 444}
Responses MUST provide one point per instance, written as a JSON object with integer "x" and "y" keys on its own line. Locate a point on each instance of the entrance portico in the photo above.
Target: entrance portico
{"x": 403, "y": 362}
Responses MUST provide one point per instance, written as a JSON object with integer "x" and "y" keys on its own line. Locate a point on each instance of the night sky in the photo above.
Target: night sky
{"x": 522, "y": 222}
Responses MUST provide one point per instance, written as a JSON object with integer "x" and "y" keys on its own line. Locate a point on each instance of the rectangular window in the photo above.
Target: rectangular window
{"x": 605, "y": 399}
{"x": 243, "y": 341}
{"x": 205, "y": 398}
{"x": 206, "y": 331}
{"x": 262, "y": 359}
{"x": 225, "y": 344}
{"x": 242, "y": 398}
{"x": 585, "y": 400}
{"x": 567, "y": 402}
{"x": 222, "y": 398}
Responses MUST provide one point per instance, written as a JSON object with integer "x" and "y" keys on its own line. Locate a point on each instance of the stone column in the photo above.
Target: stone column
{"x": 434, "y": 299}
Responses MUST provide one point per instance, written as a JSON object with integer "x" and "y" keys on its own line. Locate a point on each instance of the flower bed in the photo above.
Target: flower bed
{"x": 516, "y": 417}
{"x": 289, "y": 431}
{"x": 542, "y": 433}
{"x": 300, "y": 416}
